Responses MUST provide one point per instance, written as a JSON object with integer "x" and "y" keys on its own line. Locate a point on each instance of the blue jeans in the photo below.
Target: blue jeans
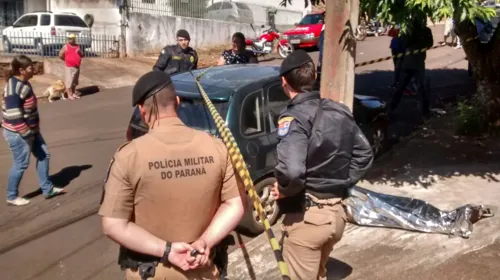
{"x": 21, "y": 156}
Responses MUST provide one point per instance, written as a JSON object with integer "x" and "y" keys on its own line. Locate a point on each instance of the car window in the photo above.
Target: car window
{"x": 195, "y": 114}
{"x": 242, "y": 6}
{"x": 27, "y": 21}
{"x": 312, "y": 19}
{"x": 252, "y": 114}
{"x": 45, "y": 20}
{"x": 68, "y": 20}
{"x": 226, "y": 6}
{"x": 277, "y": 100}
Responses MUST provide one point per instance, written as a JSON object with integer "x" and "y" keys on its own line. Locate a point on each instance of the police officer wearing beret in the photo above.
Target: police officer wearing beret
{"x": 321, "y": 153}
{"x": 178, "y": 58}
{"x": 169, "y": 200}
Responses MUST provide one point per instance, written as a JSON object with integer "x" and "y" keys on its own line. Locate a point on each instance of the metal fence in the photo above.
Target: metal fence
{"x": 240, "y": 11}
{"x": 48, "y": 45}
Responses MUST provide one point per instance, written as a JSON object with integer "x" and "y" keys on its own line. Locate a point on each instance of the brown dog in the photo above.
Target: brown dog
{"x": 55, "y": 91}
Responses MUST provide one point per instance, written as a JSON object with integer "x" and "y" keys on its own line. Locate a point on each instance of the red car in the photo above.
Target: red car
{"x": 306, "y": 33}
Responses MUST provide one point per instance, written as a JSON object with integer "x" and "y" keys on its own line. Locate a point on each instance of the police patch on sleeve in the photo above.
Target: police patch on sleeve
{"x": 284, "y": 126}
{"x": 191, "y": 58}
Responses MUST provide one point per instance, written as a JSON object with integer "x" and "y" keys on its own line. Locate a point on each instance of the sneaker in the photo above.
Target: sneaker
{"x": 18, "y": 201}
{"x": 55, "y": 192}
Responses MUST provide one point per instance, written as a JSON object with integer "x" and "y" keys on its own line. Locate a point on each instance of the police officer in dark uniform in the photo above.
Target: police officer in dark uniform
{"x": 321, "y": 153}
{"x": 178, "y": 58}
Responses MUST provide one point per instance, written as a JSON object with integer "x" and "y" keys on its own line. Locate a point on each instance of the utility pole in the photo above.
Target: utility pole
{"x": 122, "y": 41}
{"x": 339, "y": 50}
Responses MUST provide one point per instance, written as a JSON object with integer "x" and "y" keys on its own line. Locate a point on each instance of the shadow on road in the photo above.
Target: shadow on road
{"x": 62, "y": 178}
{"x": 443, "y": 83}
{"x": 445, "y": 86}
{"x": 337, "y": 269}
{"x": 435, "y": 152}
{"x": 89, "y": 90}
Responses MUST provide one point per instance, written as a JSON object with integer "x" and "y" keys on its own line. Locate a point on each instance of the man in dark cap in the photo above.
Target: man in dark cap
{"x": 167, "y": 196}
{"x": 178, "y": 58}
{"x": 321, "y": 153}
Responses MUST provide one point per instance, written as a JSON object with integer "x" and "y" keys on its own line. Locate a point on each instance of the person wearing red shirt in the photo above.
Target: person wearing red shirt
{"x": 72, "y": 55}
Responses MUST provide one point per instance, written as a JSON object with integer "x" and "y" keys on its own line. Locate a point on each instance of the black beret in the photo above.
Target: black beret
{"x": 294, "y": 60}
{"x": 148, "y": 85}
{"x": 183, "y": 34}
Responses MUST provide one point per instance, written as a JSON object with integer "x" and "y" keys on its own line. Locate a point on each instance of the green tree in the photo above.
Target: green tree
{"x": 484, "y": 58}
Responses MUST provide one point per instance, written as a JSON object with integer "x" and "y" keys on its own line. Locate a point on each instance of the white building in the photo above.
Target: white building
{"x": 285, "y": 16}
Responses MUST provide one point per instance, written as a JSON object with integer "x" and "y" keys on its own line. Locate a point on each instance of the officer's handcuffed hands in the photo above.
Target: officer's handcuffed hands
{"x": 276, "y": 192}
{"x": 202, "y": 254}
{"x": 180, "y": 255}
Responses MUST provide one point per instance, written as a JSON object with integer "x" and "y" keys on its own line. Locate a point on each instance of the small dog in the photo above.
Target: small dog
{"x": 55, "y": 91}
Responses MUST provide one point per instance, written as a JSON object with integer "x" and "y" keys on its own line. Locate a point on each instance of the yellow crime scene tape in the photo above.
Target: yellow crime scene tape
{"x": 404, "y": 54}
{"x": 240, "y": 166}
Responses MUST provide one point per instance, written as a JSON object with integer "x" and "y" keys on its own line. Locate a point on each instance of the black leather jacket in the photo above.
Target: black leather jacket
{"x": 173, "y": 59}
{"x": 321, "y": 152}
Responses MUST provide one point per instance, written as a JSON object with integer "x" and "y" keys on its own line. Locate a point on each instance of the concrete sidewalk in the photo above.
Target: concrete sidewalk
{"x": 378, "y": 253}
{"x": 435, "y": 165}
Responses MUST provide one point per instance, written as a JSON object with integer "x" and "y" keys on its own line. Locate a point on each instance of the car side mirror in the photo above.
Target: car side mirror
{"x": 262, "y": 26}
{"x": 296, "y": 24}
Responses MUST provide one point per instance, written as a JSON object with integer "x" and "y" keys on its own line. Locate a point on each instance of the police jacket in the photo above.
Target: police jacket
{"x": 419, "y": 40}
{"x": 321, "y": 150}
{"x": 173, "y": 59}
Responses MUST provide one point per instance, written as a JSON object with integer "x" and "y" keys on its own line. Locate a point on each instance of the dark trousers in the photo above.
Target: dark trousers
{"x": 398, "y": 63}
{"x": 408, "y": 74}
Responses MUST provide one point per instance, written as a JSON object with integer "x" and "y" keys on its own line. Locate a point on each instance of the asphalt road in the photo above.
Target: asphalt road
{"x": 82, "y": 136}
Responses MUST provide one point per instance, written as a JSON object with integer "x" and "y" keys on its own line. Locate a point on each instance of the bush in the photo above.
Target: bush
{"x": 469, "y": 118}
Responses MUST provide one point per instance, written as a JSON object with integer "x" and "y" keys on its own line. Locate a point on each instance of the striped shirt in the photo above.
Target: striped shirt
{"x": 19, "y": 108}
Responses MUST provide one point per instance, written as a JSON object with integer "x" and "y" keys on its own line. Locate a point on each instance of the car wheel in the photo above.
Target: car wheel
{"x": 379, "y": 137}
{"x": 251, "y": 223}
{"x": 7, "y": 48}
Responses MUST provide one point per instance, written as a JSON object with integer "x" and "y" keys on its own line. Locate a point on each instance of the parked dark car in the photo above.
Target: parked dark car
{"x": 250, "y": 98}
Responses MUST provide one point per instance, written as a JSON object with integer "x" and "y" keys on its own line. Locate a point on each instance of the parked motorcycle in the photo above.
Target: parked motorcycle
{"x": 371, "y": 29}
{"x": 266, "y": 42}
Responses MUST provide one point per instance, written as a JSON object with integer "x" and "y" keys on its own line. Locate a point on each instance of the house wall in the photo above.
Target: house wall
{"x": 10, "y": 11}
{"x": 149, "y": 33}
{"x": 285, "y": 17}
{"x": 106, "y": 14}
{"x": 34, "y": 5}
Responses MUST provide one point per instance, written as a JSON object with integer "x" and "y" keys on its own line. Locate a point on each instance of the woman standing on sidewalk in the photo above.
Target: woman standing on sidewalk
{"x": 22, "y": 132}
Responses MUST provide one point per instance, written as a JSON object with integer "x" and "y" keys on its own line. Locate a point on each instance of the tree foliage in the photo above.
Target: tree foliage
{"x": 404, "y": 12}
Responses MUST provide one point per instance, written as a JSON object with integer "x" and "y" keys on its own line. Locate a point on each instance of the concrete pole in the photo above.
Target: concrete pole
{"x": 122, "y": 39}
{"x": 337, "y": 77}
